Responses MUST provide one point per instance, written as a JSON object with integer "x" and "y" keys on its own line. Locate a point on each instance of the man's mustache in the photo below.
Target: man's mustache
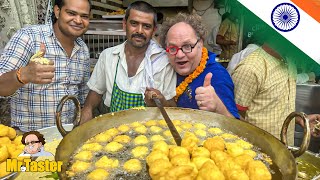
{"x": 138, "y": 36}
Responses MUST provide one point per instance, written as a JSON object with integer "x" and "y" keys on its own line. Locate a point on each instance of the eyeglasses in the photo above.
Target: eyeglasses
{"x": 173, "y": 50}
{"x": 31, "y": 142}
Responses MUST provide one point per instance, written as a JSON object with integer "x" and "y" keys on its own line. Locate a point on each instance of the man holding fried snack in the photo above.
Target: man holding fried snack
{"x": 43, "y": 63}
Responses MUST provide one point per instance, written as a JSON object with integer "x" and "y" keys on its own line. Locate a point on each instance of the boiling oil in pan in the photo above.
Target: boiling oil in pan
{"x": 125, "y": 154}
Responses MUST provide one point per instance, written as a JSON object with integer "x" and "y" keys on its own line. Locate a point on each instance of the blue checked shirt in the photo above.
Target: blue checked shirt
{"x": 33, "y": 106}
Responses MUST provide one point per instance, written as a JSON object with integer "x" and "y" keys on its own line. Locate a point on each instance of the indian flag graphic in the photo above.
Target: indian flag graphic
{"x": 291, "y": 27}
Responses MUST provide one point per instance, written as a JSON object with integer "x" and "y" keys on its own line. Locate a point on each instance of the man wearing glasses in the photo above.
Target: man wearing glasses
{"x": 202, "y": 83}
{"x": 34, "y": 142}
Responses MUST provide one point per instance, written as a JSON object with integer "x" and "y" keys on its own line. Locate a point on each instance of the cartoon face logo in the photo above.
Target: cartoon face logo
{"x": 34, "y": 142}
{"x": 23, "y": 168}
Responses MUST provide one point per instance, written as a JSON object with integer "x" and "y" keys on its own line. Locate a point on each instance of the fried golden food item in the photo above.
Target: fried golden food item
{"x": 107, "y": 163}
{"x": 189, "y": 141}
{"x": 218, "y": 156}
{"x": 200, "y": 133}
{"x": 243, "y": 160}
{"x": 176, "y": 122}
{"x": 228, "y": 165}
{"x": 155, "y": 129}
{"x": 182, "y": 172}
{"x": 113, "y": 147}
{"x": 80, "y": 166}
{"x": 17, "y": 140}
{"x": 215, "y": 131}
{"x": 155, "y": 155}
{"x": 214, "y": 143}
{"x": 12, "y": 133}
{"x": 122, "y": 139}
{"x": 4, "y": 130}
{"x": 112, "y": 132}
{"x": 186, "y": 126}
{"x": 229, "y": 136}
{"x": 4, "y": 153}
{"x": 162, "y": 123}
{"x": 135, "y": 124}
{"x": 92, "y": 147}
{"x": 84, "y": 156}
{"x": 200, "y": 152}
{"x": 161, "y": 146}
{"x": 200, "y": 126}
{"x": 251, "y": 153}
{"x": 159, "y": 168}
{"x": 178, "y": 150}
{"x": 180, "y": 159}
{"x": 237, "y": 174}
{"x": 98, "y": 174}
{"x": 3, "y": 169}
{"x": 139, "y": 152}
{"x": 210, "y": 171}
{"x": 157, "y": 138}
{"x": 141, "y": 129}
{"x": 5, "y": 140}
{"x": 132, "y": 166}
{"x": 244, "y": 144}
{"x": 257, "y": 170}
{"x": 123, "y": 128}
{"x": 140, "y": 140}
{"x": 102, "y": 137}
{"x": 167, "y": 133}
{"x": 234, "y": 150}
{"x": 200, "y": 160}
{"x": 151, "y": 123}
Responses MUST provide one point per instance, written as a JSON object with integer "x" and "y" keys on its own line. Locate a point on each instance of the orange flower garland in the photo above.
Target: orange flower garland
{"x": 184, "y": 84}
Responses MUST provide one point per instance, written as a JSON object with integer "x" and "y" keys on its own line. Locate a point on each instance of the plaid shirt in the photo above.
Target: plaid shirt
{"x": 33, "y": 106}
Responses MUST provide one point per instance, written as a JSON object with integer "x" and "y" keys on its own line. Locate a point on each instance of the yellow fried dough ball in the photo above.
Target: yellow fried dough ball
{"x": 135, "y": 124}
{"x": 215, "y": 131}
{"x": 113, "y": 147}
{"x": 123, "y": 128}
{"x": 4, "y": 130}
{"x": 3, "y": 169}
{"x": 189, "y": 141}
{"x": 182, "y": 172}
{"x": 200, "y": 133}
{"x": 258, "y": 170}
{"x": 80, "y": 166}
{"x": 233, "y": 149}
{"x": 228, "y": 165}
{"x": 84, "y": 156}
{"x": 200, "y": 126}
{"x": 155, "y": 129}
{"x": 229, "y": 136}
{"x": 218, "y": 156}
{"x": 243, "y": 160}
{"x": 98, "y": 174}
{"x": 251, "y": 153}
{"x": 161, "y": 146}
{"x": 177, "y": 150}
{"x": 151, "y": 123}
{"x": 244, "y": 144}
{"x": 186, "y": 126}
{"x": 176, "y": 122}
{"x": 159, "y": 168}
{"x": 122, "y": 139}
{"x": 16, "y": 153}
{"x": 214, "y": 143}
{"x": 17, "y": 140}
{"x": 107, "y": 163}
{"x": 11, "y": 133}
{"x": 141, "y": 129}
{"x": 112, "y": 132}
{"x": 5, "y": 140}
{"x": 167, "y": 133}
{"x": 4, "y": 153}
{"x": 180, "y": 159}
{"x": 139, "y": 152}
{"x": 141, "y": 139}
{"x": 199, "y": 161}
{"x": 102, "y": 137}
{"x": 132, "y": 166}
{"x": 157, "y": 138}
{"x": 92, "y": 147}
{"x": 162, "y": 123}
{"x": 200, "y": 152}
{"x": 155, "y": 155}
{"x": 237, "y": 174}
{"x": 11, "y": 148}
{"x": 210, "y": 171}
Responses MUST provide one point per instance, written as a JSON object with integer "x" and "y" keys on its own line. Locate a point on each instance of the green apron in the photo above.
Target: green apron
{"x": 121, "y": 100}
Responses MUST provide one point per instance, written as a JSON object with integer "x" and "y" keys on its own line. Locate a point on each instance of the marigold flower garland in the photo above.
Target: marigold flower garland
{"x": 184, "y": 84}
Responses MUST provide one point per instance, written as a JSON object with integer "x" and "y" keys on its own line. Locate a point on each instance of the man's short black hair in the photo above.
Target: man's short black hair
{"x": 60, "y": 4}
{"x": 144, "y": 7}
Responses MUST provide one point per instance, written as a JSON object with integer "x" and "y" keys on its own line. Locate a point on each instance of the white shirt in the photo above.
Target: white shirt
{"x": 154, "y": 71}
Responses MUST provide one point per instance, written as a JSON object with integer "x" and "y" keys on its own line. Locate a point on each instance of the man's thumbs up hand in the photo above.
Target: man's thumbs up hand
{"x": 207, "y": 80}
{"x": 206, "y": 95}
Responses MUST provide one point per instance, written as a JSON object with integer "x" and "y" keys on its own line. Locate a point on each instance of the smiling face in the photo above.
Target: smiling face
{"x": 33, "y": 144}
{"x": 139, "y": 28}
{"x": 72, "y": 18}
{"x": 179, "y": 35}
